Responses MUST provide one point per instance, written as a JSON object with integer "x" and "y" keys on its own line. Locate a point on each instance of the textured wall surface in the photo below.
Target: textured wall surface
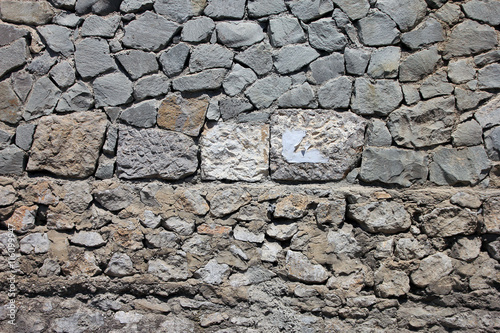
{"x": 249, "y": 166}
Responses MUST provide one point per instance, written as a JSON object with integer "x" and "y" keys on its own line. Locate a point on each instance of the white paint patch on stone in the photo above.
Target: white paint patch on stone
{"x": 293, "y": 154}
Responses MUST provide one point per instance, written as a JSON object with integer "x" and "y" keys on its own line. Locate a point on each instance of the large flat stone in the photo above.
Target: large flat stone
{"x": 380, "y": 97}
{"x": 239, "y": 34}
{"x": 377, "y": 29}
{"x": 291, "y": 58}
{"x": 206, "y": 80}
{"x": 26, "y": 12}
{"x": 428, "y": 32}
{"x": 406, "y": 13}
{"x": 307, "y": 10}
{"x": 173, "y": 60}
{"x": 225, "y": 9}
{"x": 257, "y": 57}
{"x": 185, "y": 115}
{"x": 419, "y": 64}
{"x": 11, "y": 160}
{"x": 92, "y": 57}
{"x": 260, "y": 8}
{"x": 468, "y": 38}
{"x": 42, "y": 100}
{"x": 179, "y": 10}
{"x": 324, "y": 35}
{"x": 138, "y": 63}
{"x": 487, "y": 11}
{"x": 265, "y": 91}
{"x": 284, "y": 30}
{"x": 207, "y": 56}
{"x": 112, "y": 90}
{"x": 10, "y": 33}
{"x": 13, "y": 56}
{"x": 489, "y": 114}
{"x": 58, "y": 39}
{"x": 198, "y": 30}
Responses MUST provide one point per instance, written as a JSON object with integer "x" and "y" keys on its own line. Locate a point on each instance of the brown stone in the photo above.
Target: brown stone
{"x": 191, "y": 201}
{"x": 23, "y": 219}
{"x": 44, "y": 193}
{"x": 213, "y": 229}
{"x": 81, "y": 264}
{"x": 185, "y": 115}
{"x": 26, "y": 12}
{"x": 61, "y": 217}
{"x": 10, "y": 106}
{"x": 293, "y": 206}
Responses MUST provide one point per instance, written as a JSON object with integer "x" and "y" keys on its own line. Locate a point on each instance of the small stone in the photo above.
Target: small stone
{"x": 461, "y": 71}
{"x": 336, "y": 93}
{"x": 92, "y": 57}
{"x": 324, "y": 35}
{"x": 489, "y": 114}
{"x": 137, "y": 63}
{"x": 8, "y": 195}
{"x": 419, "y": 64}
{"x": 354, "y": 9}
{"x": 464, "y": 199}
{"x": 112, "y": 90}
{"x": 468, "y": 38}
{"x": 213, "y": 112}
{"x": 450, "y": 13}
{"x": 238, "y": 34}
{"x": 179, "y": 10}
{"x": 284, "y": 30}
{"x": 378, "y": 135}
{"x": 105, "y": 167}
{"x": 37, "y": 243}
{"x": 179, "y": 226}
{"x": 174, "y": 268}
{"x": 49, "y": 268}
{"x": 22, "y": 219}
{"x": 114, "y": 198}
{"x": 432, "y": 269}
{"x": 466, "y": 249}
{"x": 10, "y": 106}
{"x": 468, "y": 133}
{"x": 77, "y": 98}
{"x": 87, "y": 238}
{"x": 22, "y": 83}
{"x": 260, "y": 8}
{"x": 207, "y": 56}
{"x": 391, "y": 283}
{"x": 141, "y": 115}
{"x": 282, "y": 232}
{"x": 119, "y": 265}
{"x": 238, "y": 79}
{"x": 162, "y": 240}
{"x": 488, "y": 77}
{"x": 14, "y": 55}
{"x": 41, "y": 65}
{"x": 356, "y": 60}
{"x": 381, "y": 97}
{"x": 213, "y": 319}
{"x": 293, "y": 206}
{"x": 330, "y": 212}
{"x": 468, "y": 100}
{"x": 436, "y": 85}
{"x": 225, "y": 9}
{"x": 487, "y": 11}
{"x": 133, "y": 6}
{"x": 410, "y": 93}
{"x": 42, "y": 100}
{"x": 26, "y": 12}
{"x": 491, "y": 223}
{"x": 99, "y": 26}
{"x": 487, "y": 58}
{"x": 492, "y": 143}
{"x": 343, "y": 242}
{"x": 150, "y": 220}
{"x": 109, "y": 146}
{"x": 494, "y": 249}
{"x": 185, "y": 115}
{"x": 385, "y": 216}
{"x": 428, "y": 32}
{"x": 407, "y": 13}
{"x": 245, "y": 235}
{"x": 232, "y": 107}
{"x": 377, "y": 29}
{"x": 265, "y": 91}
{"x": 384, "y": 62}
{"x": 100, "y": 7}
{"x": 299, "y": 267}
{"x": 63, "y": 74}
{"x": 270, "y": 252}
{"x": 257, "y": 57}
{"x": 198, "y": 30}
{"x": 291, "y": 58}
{"x": 151, "y": 86}
{"x": 191, "y": 201}
{"x": 213, "y": 272}
{"x": 307, "y": 10}
{"x": 228, "y": 200}
{"x": 207, "y": 80}
{"x": 78, "y": 196}
{"x": 327, "y": 68}
{"x": 299, "y": 97}
{"x": 70, "y": 20}
{"x": 173, "y": 60}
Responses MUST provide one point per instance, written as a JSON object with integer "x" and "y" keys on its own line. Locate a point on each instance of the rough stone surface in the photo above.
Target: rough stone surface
{"x": 151, "y": 86}
{"x": 239, "y": 34}
{"x": 491, "y": 217}
{"x": 418, "y": 65}
{"x": 258, "y": 57}
{"x": 489, "y": 114}
{"x": 436, "y": 85}
{"x": 112, "y": 90}
{"x": 468, "y": 38}
{"x": 324, "y": 35}
{"x": 260, "y": 8}
{"x": 432, "y": 269}
{"x": 391, "y": 283}
{"x": 428, "y": 32}
{"x": 327, "y": 68}
{"x": 23, "y": 219}
{"x": 207, "y": 56}
{"x": 238, "y": 79}
{"x": 299, "y": 97}
{"x": 141, "y": 115}
{"x": 138, "y": 63}
{"x": 265, "y": 91}
{"x": 225, "y": 9}
{"x": 492, "y": 143}
{"x": 468, "y": 133}
{"x": 299, "y": 267}
{"x": 306, "y": 10}
{"x": 37, "y": 243}
{"x": 228, "y": 200}
{"x": 284, "y": 30}
{"x": 335, "y": 93}
{"x": 354, "y": 9}
{"x": 10, "y": 105}
{"x": 63, "y": 74}
{"x": 380, "y": 97}
{"x": 174, "y": 59}
{"x": 356, "y": 60}
{"x": 101, "y": 27}
{"x": 487, "y": 11}
{"x": 185, "y": 115}
{"x": 13, "y": 56}
{"x": 293, "y": 206}
{"x": 207, "y": 80}
{"x": 386, "y": 216}
{"x": 384, "y": 63}
{"x": 42, "y": 99}
{"x": 378, "y": 135}
{"x": 377, "y": 29}
{"x": 26, "y": 12}
{"x": 488, "y": 77}
{"x": 213, "y": 272}
{"x": 461, "y": 71}
{"x": 178, "y": 10}
{"x": 198, "y": 30}
{"x": 293, "y": 57}
{"x": 119, "y": 265}
{"x": 76, "y": 98}
{"x": 88, "y": 239}
{"x": 406, "y": 13}
{"x": 450, "y": 221}
{"x": 92, "y": 57}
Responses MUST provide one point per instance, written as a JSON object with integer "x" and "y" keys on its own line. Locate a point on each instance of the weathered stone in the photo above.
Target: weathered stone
{"x": 487, "y": 11}
{"x": 10, "y": 33}
{"x": 207, "y": 56}
{"x": 10, "y": 106}
{"x": 391, "y": 283}
{"x": 181, "y": 227}
{"x": 385, "y": 216}
{"x": 185, "y": 115}
{"x": 293, "y": 206}
{"x": 464, "y": 199}
{"x": 63, "y": 74}
{"x": 487, "y": 58}
{"x": 8, "y": 195}
{"x": 327, "y": 68}
{"x": 410, "y": 248}
{"x": 198, "y": 30}
{"x": 57, "y": 39}
{"x": 112, "y": 90}
{"x": 105, "y": 167}
{"x": 380, "y": 97}
{"x": 406, "y": 13}
{"x": 78, "y": 196}
{"x": 466, "y": 249}
{"x": 207, "y": 80}
{"x": 492, "y": 143}
{"x": 42, "y": 64}
{"x": 13, "y": 55}
{"x": 173, "y": 60}
{"x": 461, "y": 71}
{"x": 26, "y": 12}
{"x": 228, "y": 200}
{"x": 225, "y": 9}
{"x": 260, "y": 8}
{"x": 49, "y": 268}
{"x": 467, "y": 99}
{"x": 336, "y": 93}
{"x": 297, "y": 155}
{"x": 270, "y": 252}
{"x": 191, "y": 201}
{"x": 378, "y": 135}
{"x": 307, "y": 10}
{"x": 468, "y": 38}
{"x": 88, "y": 239}
{"x": 67, "y": 19}
{"x": 330, "y": 212}
{"x": 489, "y": 114}
{"x": 141, "y": 115}
{"x": 257, "y": 57}
{"x": 99, "y": 26}
{"x": 377, "y": 29}
{"x": 239, "y": 34}
{"x": 238, "y": 79}
{"x": 114, "y": 197}
{"x": 425, "y": 124}
{"x": 162, "y": 240}
{"x": 491, "y": 223}
{"x": 72, "y": 148}
{"x": 291, "y": 58}
{"x": 245, "y": 235}
{"x": 151, "y": 86}
{"x": 324, "y": 35}
{"x": 428, "y": 32}
{"x": 44, "y": 193}
{"x": 432, "y": 269}
{"x": 265, "y": 91}
{"x": 174, "y": 268}
{"x": 213, "y": 272}
{"x": 452, "y": 166}
{"x": 232, "y": 107}
{"x": 284, "y": 30}
{"x": 299, "y": 267}
{"x": 119, "y": 265}
{"x": 135, "y": 159}
{"x": 356, "y": 60}
{"x": 468, "y": 133}
{"x": 179, "y": 10}
{"x": 488, "y": 77}
{"x": 92, "y": 57}
{"x": 418, "y": 65}
{"x": 282, "y": 232}
{"x": 410, "y": 93}
{"x": 436, "y": 85}
{"x": 22, "y": 219}
{"x": 22, "y": 83}
{"x": 298, "y": 97}
{"x": 354, "y": 9}
{"x": 384, "y": 63}
{"x": 137, "y": 63}
{"x": 109, "y": 146}
{"x": 253, "y": 275}
{"x": 42, "y": 100}
{"x": 393, "y": 166}
{"x": 132, "y": 6}
{"x": 149, "y": 32}
{"x": 151, "y": 220}
{"x": 37, "y": 243}
{"x": 100, "y": 7}
{"x": 450, "y": 221}
{"x": 77, "y": 98}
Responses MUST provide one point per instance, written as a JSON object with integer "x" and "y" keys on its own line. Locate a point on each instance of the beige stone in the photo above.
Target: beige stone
{"x": 23, "y": 219}
{"x": 26, "y": 12}
{"x": 492, "y": 215}
{"x": 185, "y": 115}
{"x": 293, "y": 206}
{"x": 191, "y": 201}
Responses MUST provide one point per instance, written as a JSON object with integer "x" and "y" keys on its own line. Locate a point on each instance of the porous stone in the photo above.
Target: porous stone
{"x": 393, "y": 166}
{"x": 141, "y": 115}
{"x": 428, "y": 32}
{"x": 468, "y": 133}
{"x": 299, "y": 267}
{"x": 179, "y": 10}
{"x": 235, "y": 152}
{"x": 88, "y": 239}
{"x": 461, "y": 71}
{"x": 407, "y": 13}
{"x": 151, "y": 86}
{"x": 72, "y": 148}
{"x": 377, "y": 134}
{"x": 198, "y": 30}
{"x": 8, "y": 195}
{"x": 436, "y": 85}
{"x": 489, "y": 114}
{"x": 299, "y": 97}
{"x": 384, "y": 63}
{"x": 386, "y": 216}
{"x": 42, "y": 100}
{"x": 452, "y": 166}
{"x": 173, "y": 60}
{"x": 467, "y": 99}
{"x": 149, "y": 32}
{"x": 488, "y": 77}
{"x": 10, "y": 105}
{"x": 37, "y": 243}
{"x": 354, "y": 9}
{"x": 76, "y": 98}
{"x": 213, "y": 272}
{"x": 100, "y": 26}
{"x": 258, "y": 57}
{"x": 238, "y": 79}
{"x": 356, "y": 60}
{"x": 238, "y": 34}
{"x": 307, "y": 10}
{"x": 162, "y": 240}
{"x": 492, "y": 143}
{"x": 432, "y": 269}
{"x": 328, "y": 155}
{"x": 137, "y": 63}
{"x": 377, "y": 29}
{"x": 207, "y": 56}
{"x": 228, "y": 200}
{"x": 26, "y": 12}
{"x": 468, "y": 38}
{"x": 22, "y": 220}
{"x": 487, "y": 11}
{"x": 185, "y": 115}
{"x": 419, "y": 64}
{"x": 50, "y": 267}
{"x": 181, "y": 227}
{"x": 380, "y": 97}
{"x": 324, "y": 35}
{"x": 335, "y": 93}
{"x": 391, "y": 283}
{"x": 233, "y": 107}
{"x": 206, "y": 80}
{"x": 100, "y": 7}
{"x": 135, "y": 159}
{"x": 63, "y": 74}
{"x": 92, "y": 57}
{"x": 291, "y": 58}
{"x": 225, "y": 9}
{"x": 450, "y": 221}
{"x": 119, "y": 265}
{"x": 327, "y": 68}
{"x": 260, "y": 8}
{"x": 57, "y": 39}
{"x": 491, "y": 223}
{"x": 284, "y": 30}
{"x": 265, "y": 91}
{"x": 13, "y": 56}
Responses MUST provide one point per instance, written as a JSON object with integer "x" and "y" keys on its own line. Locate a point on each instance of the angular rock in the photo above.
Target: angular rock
{"x": 10, "y": 105}
{"x": 175, "y": 268}
{"x": 391, "y": 283}
{"x": 173, "y": 60}
{"x": 70, "y": 20}
{"x": 488, "y": 77}
{"x": 245, "y": 235}
{"x": 72, "y": 148}
{"x": 327, "y": 155}
{"x": 58, "y": 39}
{"x": 468, "y": 38}
{"x": 100, "y": 7}
{"x": 354, "y": 9}
{"x": 468, "y": 133}
{"x": 428, "y": 32}
{"x": 149, "y": 153}
{"x": 228, "y": 200}
{"x": 380, "y": 97}
{"x": 112, "y": 90}
{"x": 336, "y": 93}
{"x": 492, "y": 143}
{"x": 235, "y": 152}
{"x": 213, "y": 272}
{"x": 132, "y": 6}
{"x": 238, "y": 79}
{"x": 151, "y": 86}
{"x": 330, "y": 212}
{"x": 284, "y": 30}
{"x": 181, "y": 227}
{"x": 88, "y": 239}
{"x": 22, "y": 83}
{"x": 410, "y": 248}
{"x": 324, "y": 35}
{"x": 300, "y": 268}
{"x": 13, "y": 55}
{"x": 179, "y": 10}
{"x": 293, "y": 206}
{"x": 78, "y": 196}
{"x": 185, "y": 115}
{"x": 239, "y": 34}
{"x": 356, "y": 60}
{"x": 207, "y": 56}
{"x": 100, "y": 27}
{"x": 418, "y": 65}
{"x": 487, "y": 11}
{"x": 265, "y": 91}
{"x": 436, "y": 85}
{"x": 162, "y": 240}
{"x": 42, "y": 100}
{"x": 300, "y": 97}
{"x": 450, "y": 221}
{"x": 22, "y": 219}
{"x": 41, "y": 64}
{"x": 464, "y": 199}
{"x": 406, "y": 13}
{"x": 26, "y": 12}
{"x": 257, "y": 57}
{"x": 141, "y": 115}
{"x": 384, "y": 63}
{"x": 198, "y": 30}
{"x": 291, "y": 58}
{"x": 491, "y": 223}
{"x": 467, "y": 99}
{"x": 37, "y": 243}
{"x": 232, "y": 107}
{"x": 8, "y": 195}
{"x": 190, "y": 201}
{"x": 109, "y": 146}
{"x": 307, "y": 10}
{"x": 386, "y": 216}
{"x": 378, "y": 135}
{"x": 63, "y": 74}
{"x": 411, "y": 93}
{"x": 77, "y": 98}
{"x": 377, "y": 29}
{"x": 260, "y": 8}
{"x": 466, "y": 249}
{"x": 119, "y": 265}
{"x": 461, "y": 71}
{"x": 489, "y": 114}
{"x": 49, "y": 268}
{"x": 393, "y": 166}
{"x": 92, "y": 57}
{"x": 431, "y": 270}
{"x": 137, "y": 63}
{"x": 114, "y": 197}
{"x": 207, "y": 80}
{"x": 327, "y": 68}
{"x": 225, "y": 9}
{"x": 487, "y": 58}
{"x": 270, "y": 252}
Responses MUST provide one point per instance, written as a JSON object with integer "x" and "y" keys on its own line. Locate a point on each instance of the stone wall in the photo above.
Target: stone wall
{"x": 249, "y": 166}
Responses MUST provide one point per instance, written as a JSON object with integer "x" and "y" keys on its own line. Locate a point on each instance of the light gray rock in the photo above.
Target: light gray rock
{"x": 384, "y": 63}
{"x": 78, "y": 196}
{"x": 391, "y": 283}
{"x": 88, "y": 239}
{"x": 41, "y": 65}
{"x": 428, "y": 32}
{"x": 299, "y": 267}
{"x": 63, "y": 74}
{"x": 354, "y": 9}
{"x": 151, "y": 86}
{"x": 327, "y": 68}
{"x": 324, "y": 35}
{"x": 149, "y": 32}
{"x": 466, "y": 249}
{"x": 10, "y": 33}
{"x": 343, "y": 242}
{"x": 100, "y": 7}
{"x": 466, "y": 200}
{"x": 489, "y": 77}
{"x": 137, "y": 63}
{"x": 198, "y": 30}
{"x": 255, "y": 117}
{"x": 213, "y": 272}
{"x": 228, "y": 200}
{"x": 50, "y": 267}
{"x": 432, "y": 269}
{"x": 76, "y": 98}
{"x": 37, "y": 243}
{"x": 410, "y": 248}
{"x": 10, "y": 105}
{"x": 213, "y": 111}
{"x": 132, "y": 6}
{"x": 254, "y": 275}
{"x": 492, "y": 143}
{"x": 66, "y": 19}
{"x": 377, "y": 134}
{"x": 468, "y": 133}
{"x": 436, "y": 85}
{"x": 58, "y": 39}
{"x": 356, "y": 60}
{"x": 231, "y": 107}
{"x": 206, "y": 80}
{"x": 284, "y": 30}
{"x": 109, "y": 146}
{"x": 92, "y": 57}
{"x": 225, "y": 9}
{"x": 489, "y": 114}
{"x": 487, "y": 11}
{"x": 112, "y": 90}
{"x": 115, "y": 198}
{"x": 265, "y": 91}
{"x": 466, "y": 166}
{"x": 270, "y": 252}
{"x": 494, "y": 249}
{"x": 299, "y": 97}
{"x": 260, "y": 8}
{"x": 406, "y": 13}
{"x": 335, "y": 93}
{"x": 245, "y": 235}
{"x": 162, "y": 240}
{"x": 26, "y": 12}
{"x": 24, "y": 136}
{"x": 179, "y": 226}
{"x": 393, "y": 166}
{"x": 42, "y": 100}
{"x": 307, "y": 10}
{"x": 419, "y": 64}
{"x": 238, "y": 79}
{"x": 385, "y": 216}
{"x": 282, "y": 232}
{"x": 141, "y": 115}
{"x": 468, "y": 38}
{"x": 257, "y": 57}
{"x": 8, "y": 197}
{"x": 487, "y": 58}
{"x": 291, "y": 58}
{"x": 174, "y": 268}
{"x": 377, "y": 29}
{"x": 13, "y": 56}
{"x": 179, "y": 10}
{"x": 380, "y": 97}
{"x": 449, "y": 13}
{"x": 207, "y": 56}
{"x": 238, "y": 34}
{"x": 21, "y": 83}
{"x": 460, "y": 71}
{"x": 467, "y": 99}
{"x": 119, "y": 265}
{"x": 173, "y": 60}
{"x": 100, "y": 27}
{"x": 410, "y": 93}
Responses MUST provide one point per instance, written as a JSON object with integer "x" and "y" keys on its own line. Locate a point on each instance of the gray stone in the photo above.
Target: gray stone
{"x": 492, "y": 143}
{"x": 137, "y": 63}
{"x": 198, "y": 30}
{"x": 253, "y": 275}
{"x": 11, "y": 160}
{"x": 324, "y": 35}
{"x": 173, "y": 60}
{"x": 174, "y": 268}
{"x": 282, "y": 232}
{"x": 151, "y": 86}
{"x": 213, "y": 111}
{"x": 109, "y": 146}
{"x": 426, "y": 124}
{"x": 377, "y": 134}
{"x": 141, "y": 115}
{"x": 393, "y": 166}
{"x": 489, "y": 77}
{"x": 428, "y": 32}
{"x": 410, "y": 93}
{"x": 100, "y": 26}
{"x": 255, "y": 117}
{"x": 299, "y": 267}
{"x": 245, "y": 235}
{"x": 207, "y": 80}
{"x": 468, "y": 133}
{"x": 10, "y": 33}
{"x": 225, "y": 9}
{"x": 307, "y": 10}
{"x": 49, "y": 268}
{"x": 257, "y": 57}
{"x": 377, "y": 29}
{"x": 260, "y": 8}
{"x": 119, "y": 265}
{"x": 436, "y": 85}
{"x": 37, "y": 243}
{"x": 63, "y": 74}
{"x": 179, "y": 226}
{"x": 391, "y": 283}
{"x": 466, "y": 249}
{"x": 92, "y": 57}
{"x": 13, "y": 56}
{"x": 42, "y": 100}
{"x": 487, "y": 58}
{"x": 114, "y": 198}
{"x": 10, "y": 105}
{"x": 132, "y": 6}
{"x": 489, "y": 114}
{"x": 231, "y": 107}
{"x": 419, "y": 64}
{"x": 42, "y": 64}
{"x": 179, "y": 10}
{"x": 410, "y": 248}
{"x": 467, "y": 100}
{"x": 406, "y": 13}
{"x": 299, "y": 97}
{"x": 354, "y": 9}
{"x": 468, "y": 38}
{"x": 100, "y": 7}
{"x": 105, "y": 167}
{"x": 343, "y": 242}
{"x": 291, "y": 58}
{"x": 112, "y": 90}
{"x": 24, "y": 136}
{"x": 154, "y": 160}
{"x": 270, "y": 252}
{"x": 450, "y": 13}
{"x": 327, "y": 68}
{"x": 207, "y": 56}
{"x": 466, "y": 166}
{"x": 228, "y": 200}
{"x": 335, "y": 93}
{"x": 22, "y": 83}
{"x": 162, "y": 240}
{"x": 26, "y": 12}
{"x": 487, "y": 11}
{"x": 77, "y": 98}
{"x": 78, "y": 196}
{"x": 185, "y": 115}
{"x": 238, "y": 34}
{"x": 284, "y": 30}
{"x": 494, "y": 249}
{"x": 302, "y": 150}
{"x": 265, "y": 91}
{"x": 432, "y": 269}
{"x": 293, "y": 206}
{"x": 460, "y": 71}
{"x": 491, "y": 222}
{"x": 356, "y": 60}
{"x": 149, "y": 32}
{"x": 57, "y": 39}
{"x": 380, "y": 97}
{"x": 113, "y": 112}
{"x": 384, "y": 63}
{"x": 70, "y": 20}
{"x": 87, "y": 238}
{"x": 466, "y": 200}
{"x": 238, "y": 79}
{"x": 385, "y": 216}
{"x": 213, "y": 272}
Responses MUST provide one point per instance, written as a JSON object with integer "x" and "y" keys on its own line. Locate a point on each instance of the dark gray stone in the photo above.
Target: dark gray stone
{"x": 356, "y": 60}
{"x": 42, "y": 100}
{"x": 105, "y": 168}
{"x": 178, "y": 10}
{"x": 461, "y": 71}
{"x": 265, "y": 91}
{"x": 141, "y": 114}
{"x": 92, "y": 57}
{"x": 42, "y": 64}
{"x": 354, "y": 9}
{"x": 70, "y": 20}
{"x": 9, "y": 33}
{"x": 151, "y": 86}
{"x": 13, "y": 56}
{"x": 377, "y": 29}
{"x": 100, "y": 7}
{"x": 173, "y": 60}
{"x": 225, "y": 9}
{"x": 299, "y": 97}
{"x": 198, "y": 30}
{"x": 11, "y": 160}
{"x": 112, "y": 90}
{"x": 58, "y": 39}
{"x": 137, "y": 63}
{"x": 260, "y": 8}
{"x": 238, "y": 79}
{"x": 284, "y": 30}
{"x": 406, "y": 13}
{"x": 489, "y": 77}
{"x": 109, "y": 145}
{"x": 238, "y": 34}
{"x": 232, "y": 107}
{"x": 10, "y": 106}
{"x": 428, "y": 32}
{"x": 489, "y": 115}
{"x": 487, "y": 11}
{"x": 327, "y": 68}
{"x": 22, "y": 83}
{"x": 378, "y": 135}
{"x": 468, "y": 133}
{"x": 24, "y": 136}
{"x": 307, "y": 10}
{"x": 492, "y": 143}
{"x": 419, "y": 64}
{"x": 207, "y": 80}
{"x": 324, "y": 35}
{"x": 384, "y": 63}
{"x": 257, "y": 57}
{"x": 291, "y": 58}
{"x": 468, "y": 38}
{"x": 467, "y": 99}
{"x": 436, "y": 85}
{"x": 487, "y": 58}
{"x": 63, "y": 74}
{"x": 380, "y": 97}
{"x": 77, "y": 98}
{"x": 336, "y": 93}
{"x": 100, "y": 26}
{"x": 207, "y": 56}
{"x": 133, "y": 6}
